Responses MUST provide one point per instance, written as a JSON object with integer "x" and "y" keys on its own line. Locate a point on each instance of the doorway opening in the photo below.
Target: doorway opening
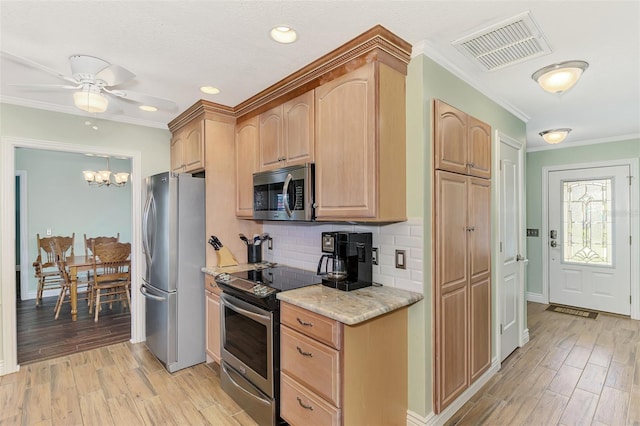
{"x": 7, "y": 201}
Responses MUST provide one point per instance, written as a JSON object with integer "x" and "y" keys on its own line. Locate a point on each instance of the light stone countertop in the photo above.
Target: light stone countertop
{"x": 350, "y": 307}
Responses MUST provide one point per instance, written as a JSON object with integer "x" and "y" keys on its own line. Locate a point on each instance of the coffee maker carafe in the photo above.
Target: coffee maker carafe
{"x": 348, "y": 262}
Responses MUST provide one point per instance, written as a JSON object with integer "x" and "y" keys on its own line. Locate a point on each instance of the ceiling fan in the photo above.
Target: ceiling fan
{"x": 92, "y": 78}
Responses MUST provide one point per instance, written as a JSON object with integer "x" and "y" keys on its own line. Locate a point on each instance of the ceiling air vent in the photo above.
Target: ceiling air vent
{"x": 505, "y": 43}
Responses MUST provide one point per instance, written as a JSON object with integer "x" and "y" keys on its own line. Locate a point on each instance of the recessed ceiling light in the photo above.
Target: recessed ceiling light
{"x": 148, "y": 108}
{"x": 283, "y": 34}
{"x": 210, "y": 90}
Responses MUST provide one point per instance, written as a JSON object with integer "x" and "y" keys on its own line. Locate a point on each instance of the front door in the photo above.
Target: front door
{"x": 589, "y": 238}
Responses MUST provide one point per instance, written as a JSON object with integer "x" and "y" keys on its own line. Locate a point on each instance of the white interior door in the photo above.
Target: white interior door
{"x": 511, "y": 277}
{"x": 589, "y": 238}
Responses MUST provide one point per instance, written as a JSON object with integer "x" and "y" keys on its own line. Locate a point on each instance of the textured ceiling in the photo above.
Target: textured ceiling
{"x": 174, "y": 47}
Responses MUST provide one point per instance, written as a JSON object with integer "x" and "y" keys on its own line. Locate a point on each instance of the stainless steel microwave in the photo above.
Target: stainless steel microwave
{"x": 284, "y": 194}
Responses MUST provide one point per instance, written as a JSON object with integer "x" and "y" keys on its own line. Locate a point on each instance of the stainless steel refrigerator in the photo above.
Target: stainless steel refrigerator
{"x": 173, "y": 236}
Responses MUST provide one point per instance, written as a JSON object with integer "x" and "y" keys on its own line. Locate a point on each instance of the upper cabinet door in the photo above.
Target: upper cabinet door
{"x": 299, "y": 129}
{"x": 246, "y": 164}
{"x": 462, "y": 143}
{"x": 346, "y": 146}
{"x": 177, "y": 165}
{"x": 450, "y": 138}
{"x": 193, "y": 148}
{"x": 479, "y": 148}
{"x": 271, "y": 151}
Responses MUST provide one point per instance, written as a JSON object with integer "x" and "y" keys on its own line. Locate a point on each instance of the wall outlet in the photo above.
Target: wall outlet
{"x": 48, "y": 232}
{"x": 401, "y": 259}
{"x": 374, "y": 255}
{"x": 270, "y": 243}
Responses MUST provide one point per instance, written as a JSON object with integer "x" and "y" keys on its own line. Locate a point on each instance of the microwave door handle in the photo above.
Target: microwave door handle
{"x": 285, "y": 194}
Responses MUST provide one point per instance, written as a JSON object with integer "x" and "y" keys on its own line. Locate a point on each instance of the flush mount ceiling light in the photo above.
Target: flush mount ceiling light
{"x": 90, "y": 99}
{"x": 148, "y": 108}
{"x": 210, "y": 90}
{"x": 554, "y": 136}
{"x": 558, "y": 78}
{"x": 283, "y": 34}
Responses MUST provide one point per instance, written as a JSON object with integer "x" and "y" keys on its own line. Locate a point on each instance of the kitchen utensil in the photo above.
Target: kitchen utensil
{"x": 244, "y": 238}
{"x": 215, "y": 243}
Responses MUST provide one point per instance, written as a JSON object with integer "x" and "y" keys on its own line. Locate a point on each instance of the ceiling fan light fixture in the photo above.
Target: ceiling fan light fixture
{"x": 90, "y": 100}
{"x": 283, "y": 34}
{"x": 558, "y": 78}
{"x": 555, "y": 136}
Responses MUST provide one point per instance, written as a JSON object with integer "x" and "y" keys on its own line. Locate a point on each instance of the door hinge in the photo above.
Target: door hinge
{"x": 500, "y": 246}
{"x": 500, "y": 164}
{"x": 629, "y": 299}
{"x": 500, "y": 328}
{"x": 630, "y": 177}
{"x": 629, "y": 239}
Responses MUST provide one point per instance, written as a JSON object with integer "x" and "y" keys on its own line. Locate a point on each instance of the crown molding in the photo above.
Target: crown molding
{"x": 425, "y": 48}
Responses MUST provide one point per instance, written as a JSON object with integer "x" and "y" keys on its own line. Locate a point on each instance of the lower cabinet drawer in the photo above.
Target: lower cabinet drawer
{"x": 300, "y": 406}
{"x": 313, "y": 364}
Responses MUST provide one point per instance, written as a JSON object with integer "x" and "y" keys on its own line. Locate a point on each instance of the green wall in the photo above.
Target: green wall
{"x": 426, "y": 80}
{"x": 553, "y": 157}
{"x": 28, "y": 123}
{"x": 58, "y": 198}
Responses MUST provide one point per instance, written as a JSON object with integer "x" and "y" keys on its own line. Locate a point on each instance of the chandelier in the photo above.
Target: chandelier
{"x": 103, "y": 177}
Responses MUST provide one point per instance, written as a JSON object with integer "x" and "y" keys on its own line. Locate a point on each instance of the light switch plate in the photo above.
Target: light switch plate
{"x": 532, "y": 232}
{"x": 401, "y": 259}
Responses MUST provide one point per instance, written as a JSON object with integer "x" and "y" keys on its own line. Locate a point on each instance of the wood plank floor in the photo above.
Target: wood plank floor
{"x": 40, "y": 336}
{"x": 573, "y": 371}
{"x": 122, "y": 384}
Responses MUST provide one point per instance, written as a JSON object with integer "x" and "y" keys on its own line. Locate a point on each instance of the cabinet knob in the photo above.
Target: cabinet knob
{"x": 471, "y": 228}
{"x": 470, "y": 165}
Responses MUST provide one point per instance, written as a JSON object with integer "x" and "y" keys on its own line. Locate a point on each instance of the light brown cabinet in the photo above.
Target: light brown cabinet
{"x": 247, "y": 142}
{"x": 335, "y": 374}
{"x": 188, "y": 148}
{"x": 212, "y": 315}
{"x": 287, "y": 133}
{"x": 462, "y": 142}
{"x": 360, "y": 146}
{"x": 462, "y": 255}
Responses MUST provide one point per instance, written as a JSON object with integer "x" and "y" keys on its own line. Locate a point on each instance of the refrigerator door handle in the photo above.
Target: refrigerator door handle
{"x": 148, "y": 231}
{"x": 143, "y": 290}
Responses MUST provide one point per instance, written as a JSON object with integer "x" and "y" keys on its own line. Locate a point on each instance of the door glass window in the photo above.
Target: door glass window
{"x": 587, "y": 222}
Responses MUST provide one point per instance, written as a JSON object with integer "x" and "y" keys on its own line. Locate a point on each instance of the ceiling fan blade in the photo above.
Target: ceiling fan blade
{"x": 46, "y": 86}
{"x": 144, "y": 99}
{"x": 114, "y": 75}
{"x": 33, "y": 64}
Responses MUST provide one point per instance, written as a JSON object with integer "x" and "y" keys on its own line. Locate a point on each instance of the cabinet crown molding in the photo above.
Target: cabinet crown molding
{"x": 377, "y": 44}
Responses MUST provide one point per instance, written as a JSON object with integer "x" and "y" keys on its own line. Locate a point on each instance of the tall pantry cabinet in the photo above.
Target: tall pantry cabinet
{"x": 462, "y": 252}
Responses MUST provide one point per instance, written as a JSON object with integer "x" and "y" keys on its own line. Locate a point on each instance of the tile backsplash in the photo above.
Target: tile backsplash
{"x": 298, "y": 245}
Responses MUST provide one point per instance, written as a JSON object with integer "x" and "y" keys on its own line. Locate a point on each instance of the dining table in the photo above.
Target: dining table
{"x": 77, "y": 264}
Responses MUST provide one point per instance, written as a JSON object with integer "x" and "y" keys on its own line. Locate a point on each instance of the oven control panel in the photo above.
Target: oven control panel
{"x": 251, "y": 287}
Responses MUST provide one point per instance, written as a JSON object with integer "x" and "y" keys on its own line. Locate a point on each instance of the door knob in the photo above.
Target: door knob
{"x": 554, "y": 243}
{"x": 519, "y": 258}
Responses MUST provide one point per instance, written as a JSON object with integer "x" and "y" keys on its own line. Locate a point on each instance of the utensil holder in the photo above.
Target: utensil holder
{"x": 254, "y": 253}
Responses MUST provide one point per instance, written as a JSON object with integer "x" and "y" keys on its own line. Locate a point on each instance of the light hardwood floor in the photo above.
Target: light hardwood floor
{"x": 573, "y": 371}
{"x": 121, "y": 384}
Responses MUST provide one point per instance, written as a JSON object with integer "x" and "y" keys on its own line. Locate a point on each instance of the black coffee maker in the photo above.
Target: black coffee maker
{"x": 348, "y": 262}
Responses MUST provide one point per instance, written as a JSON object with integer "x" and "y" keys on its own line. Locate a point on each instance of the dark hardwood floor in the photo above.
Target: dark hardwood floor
{"x": 41, "y": 336}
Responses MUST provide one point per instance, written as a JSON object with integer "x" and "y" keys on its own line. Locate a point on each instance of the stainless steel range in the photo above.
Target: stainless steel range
{"x": 250, "y": 336}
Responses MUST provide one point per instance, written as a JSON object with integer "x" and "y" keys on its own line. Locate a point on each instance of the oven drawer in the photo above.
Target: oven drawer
{"x": 300, "y": 406}
{"x": 315, "y": 365}
{"x": 313, "y": 325}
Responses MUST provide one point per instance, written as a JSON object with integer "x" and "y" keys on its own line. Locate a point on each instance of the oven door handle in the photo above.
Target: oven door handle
{"x": 263, "y": 319}
{"x": 285, "y": 194}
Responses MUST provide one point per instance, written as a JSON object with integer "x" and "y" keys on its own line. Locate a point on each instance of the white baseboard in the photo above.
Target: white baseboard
{"x": 525, "y": 337}
{"x": 535, "y": 297}
{"x": 431, "y": 419}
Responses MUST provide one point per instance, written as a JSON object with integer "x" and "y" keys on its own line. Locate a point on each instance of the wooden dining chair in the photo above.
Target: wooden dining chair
{"x": 112, "y": 275}
{"x": 65, "y": 280}
{"x": 88, "y": 243}
{"x": 46, "y": 269}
